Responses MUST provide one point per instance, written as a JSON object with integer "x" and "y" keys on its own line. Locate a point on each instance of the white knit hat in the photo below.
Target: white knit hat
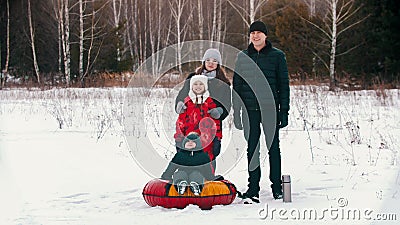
{"x": 212, "y": 53}
{"x": 203, "y": 79}
{"x": 199, "y": 99}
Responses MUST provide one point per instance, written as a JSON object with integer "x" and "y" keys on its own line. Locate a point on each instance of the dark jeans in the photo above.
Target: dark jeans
{"x": 252, "y": 132}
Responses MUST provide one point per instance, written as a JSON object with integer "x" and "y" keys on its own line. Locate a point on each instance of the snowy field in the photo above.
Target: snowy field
{"x": 68, "y": 156}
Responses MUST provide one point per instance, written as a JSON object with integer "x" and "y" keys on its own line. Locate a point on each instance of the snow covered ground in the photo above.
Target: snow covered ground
{"x": 66, "y": 158}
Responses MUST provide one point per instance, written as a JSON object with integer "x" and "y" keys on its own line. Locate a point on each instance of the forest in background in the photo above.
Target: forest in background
{"x": 347, "y": 43}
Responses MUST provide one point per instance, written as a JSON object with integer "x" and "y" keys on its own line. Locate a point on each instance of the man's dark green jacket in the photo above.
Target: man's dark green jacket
{"x": 256, "y": 69}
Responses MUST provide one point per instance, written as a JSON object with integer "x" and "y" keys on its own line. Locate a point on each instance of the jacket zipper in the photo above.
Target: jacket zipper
{"x": 258, "y": 54}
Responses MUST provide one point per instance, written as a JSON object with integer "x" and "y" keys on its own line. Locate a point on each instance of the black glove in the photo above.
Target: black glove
{"x": 219, "y": 178}
{"x": 180, "y": 107}
{"x": 216, "y": 147}
{"x": 237, "y": 120}
{"x": 216, "y": 112}
{"x": 283, "y": 119}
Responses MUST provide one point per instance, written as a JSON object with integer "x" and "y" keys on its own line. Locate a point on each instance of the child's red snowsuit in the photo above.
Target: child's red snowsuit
{"x": 196, "y": 118}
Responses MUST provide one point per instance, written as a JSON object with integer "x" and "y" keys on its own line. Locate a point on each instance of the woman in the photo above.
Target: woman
{"x": 218, "y": 86}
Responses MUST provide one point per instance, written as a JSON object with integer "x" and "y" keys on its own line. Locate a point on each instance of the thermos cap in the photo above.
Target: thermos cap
{"x": 286, "y": 178}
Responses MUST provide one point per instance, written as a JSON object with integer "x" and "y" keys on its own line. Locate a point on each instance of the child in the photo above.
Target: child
{"x": 202, "y": 116}
{"x": 218, "y": 87}
{"x": 190, "y": 166}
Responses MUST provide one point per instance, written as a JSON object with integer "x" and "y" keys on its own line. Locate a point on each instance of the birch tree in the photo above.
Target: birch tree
{"x": 61, "y": 11}
{"x": 87, "y": 34}
{"x": 32, "y": 39}
{"x": 214, "y": 21}
{"x": 200, "y": 19}
{"x": 57, "y": 16}
{"x": 336, "y": 22}
{"x": 81, "y": 36}
{"x": 155, "y": 31}
{"x": 67, "y": 44}
{"x": 128, "y": 21}
{"x": 135, "y": 29}
{"x": 117, "y": 6}
{"x": 177, "y": 8}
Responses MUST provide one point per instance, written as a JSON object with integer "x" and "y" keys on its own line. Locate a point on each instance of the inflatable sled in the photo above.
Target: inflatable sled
{"x": 159, "y": 192}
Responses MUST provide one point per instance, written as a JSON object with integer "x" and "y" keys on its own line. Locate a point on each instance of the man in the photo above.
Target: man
{"x": 261, "y": 64}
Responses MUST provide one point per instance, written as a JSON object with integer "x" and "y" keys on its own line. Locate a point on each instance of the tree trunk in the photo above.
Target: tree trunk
{"x": 252, "y": 13}
{"x": 60, "y": 44}
{"x": 89, "y": 52}
{"x": 128, "y": 33}
{"x": 4, "y": 72}
{"x": 152, "y": 39}
{"x": 136, "y": 37}
{"x": 32, "y": 36}
{"x": 81, "y": 41}
{"x": 214, "y": 21}
{"x": 117, "y": 13}
{"x": 312, "y": 8}
{"x": 159, "y": 64}
{"x": 219, "y": 23}
{"x": 66, "y": 44}
{"x": 177, "y": 11}
{"x": 333, "y": 45}
{"x": 201, "y": 23}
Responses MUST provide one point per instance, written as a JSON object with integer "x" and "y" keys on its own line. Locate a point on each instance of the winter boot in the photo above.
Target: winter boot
{"x": 249, "y": 198}
{"x": 181, "y": 187}
{"x": 277, "y": 191}
{"x": 195, "y": 188}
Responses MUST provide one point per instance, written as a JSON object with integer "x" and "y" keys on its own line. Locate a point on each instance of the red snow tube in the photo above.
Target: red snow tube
{"x": 162, "y": 193}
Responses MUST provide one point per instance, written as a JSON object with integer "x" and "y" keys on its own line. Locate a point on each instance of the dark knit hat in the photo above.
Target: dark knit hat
{"x": 258, "y": 26}
{"x": 192, "y": 136}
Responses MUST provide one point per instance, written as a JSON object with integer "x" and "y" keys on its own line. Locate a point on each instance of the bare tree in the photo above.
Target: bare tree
{"x": 155, "y": 27}
{"x": 117, "y": 5}
{"x": 67, "y": 44}
{"x": 61, "y": 11}
{"x": 152, "y": 36}
{"x": 219, "y": 22}
{"x": 57, "y": 16}
{"x": 128, "y": 21}
{"x": 81, "y": 36}
{"x": 135, "y": 30}
{"x": 32, "y": 36}
{"x": 89, "y": 60}
{"x": 4, "y": 72}
{"x": 214, "y": 21}
{"x": 84, "y": 36}
{"x": 200, "y": 18}
{"x": 159, "y": 29}
{"x": 248, "y": 14}
{"x": 177, "y": 9}
{"x": 339, "y": 12}
{"x": 311, "y": 6}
